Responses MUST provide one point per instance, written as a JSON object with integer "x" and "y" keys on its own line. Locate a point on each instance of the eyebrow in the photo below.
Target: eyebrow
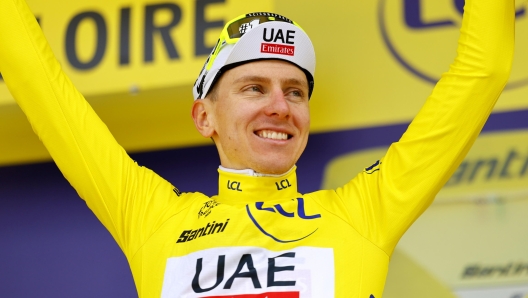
{"x": 292, "y": 81}
{"x": 252, "y": 78}
{"x": 244, "y": 79}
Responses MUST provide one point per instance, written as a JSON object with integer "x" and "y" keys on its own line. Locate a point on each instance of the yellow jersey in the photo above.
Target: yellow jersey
{"x": 259, "y": 237}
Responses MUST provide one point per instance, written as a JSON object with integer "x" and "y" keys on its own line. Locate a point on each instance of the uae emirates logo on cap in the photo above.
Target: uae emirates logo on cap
{"x": 275, "y": 36}
{"x": 271, "y": 48}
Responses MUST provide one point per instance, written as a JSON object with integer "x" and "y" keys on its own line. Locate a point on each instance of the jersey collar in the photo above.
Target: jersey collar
{"x": 242, "y": 187}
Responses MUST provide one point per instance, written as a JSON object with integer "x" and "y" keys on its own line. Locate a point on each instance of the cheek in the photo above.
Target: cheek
{"x": 222, "y": 116}
{"x": 231, "y": 121}
{"x": 303, "y": 120}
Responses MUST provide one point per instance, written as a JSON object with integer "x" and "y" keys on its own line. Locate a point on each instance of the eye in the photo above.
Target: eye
{"x": 253, "y": 88}
{"x": 295, "y": 94}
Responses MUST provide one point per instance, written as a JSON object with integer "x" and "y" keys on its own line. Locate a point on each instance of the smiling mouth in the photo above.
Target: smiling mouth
{"x": 273, "y": 135}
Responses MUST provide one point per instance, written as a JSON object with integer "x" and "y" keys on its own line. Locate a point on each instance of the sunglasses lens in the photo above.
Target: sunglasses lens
{"x": 239, "y": 27}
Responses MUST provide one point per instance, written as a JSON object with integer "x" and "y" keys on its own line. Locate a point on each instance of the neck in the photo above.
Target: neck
{"x": 251, "y": 172}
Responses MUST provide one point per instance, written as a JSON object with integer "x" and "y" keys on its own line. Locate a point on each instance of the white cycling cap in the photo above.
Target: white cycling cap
{"x": 253, "y": 37}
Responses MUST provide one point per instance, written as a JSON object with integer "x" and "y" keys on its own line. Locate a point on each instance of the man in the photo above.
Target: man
{"x": 259, "y": 237}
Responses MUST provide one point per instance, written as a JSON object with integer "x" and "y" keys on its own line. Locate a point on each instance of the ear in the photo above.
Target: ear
{"x": 203, "y": 117}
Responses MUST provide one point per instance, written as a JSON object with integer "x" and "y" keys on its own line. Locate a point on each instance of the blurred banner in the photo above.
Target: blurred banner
{"x": 136, "y": 62}
{"x": 473, "y": 238}
{"x": 119, "y": 46}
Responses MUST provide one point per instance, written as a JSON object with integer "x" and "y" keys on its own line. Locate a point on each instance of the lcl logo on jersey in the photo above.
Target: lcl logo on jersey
{"x": 421, "y": 35}
{"x": 290, "y": 218}
{"x": 233, "y": 185}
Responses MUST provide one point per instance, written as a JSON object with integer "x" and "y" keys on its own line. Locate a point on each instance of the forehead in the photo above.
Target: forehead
{"x": 266, "y": 70}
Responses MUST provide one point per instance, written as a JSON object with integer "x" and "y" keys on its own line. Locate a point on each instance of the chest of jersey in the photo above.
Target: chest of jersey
{"x": 285, "y": 248}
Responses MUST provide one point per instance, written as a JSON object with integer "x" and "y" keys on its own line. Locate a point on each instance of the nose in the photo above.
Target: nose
{"x": 278, "y": 105}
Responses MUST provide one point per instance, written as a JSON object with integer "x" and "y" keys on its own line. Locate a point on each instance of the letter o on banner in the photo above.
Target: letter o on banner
{"x": 71, "y": 36}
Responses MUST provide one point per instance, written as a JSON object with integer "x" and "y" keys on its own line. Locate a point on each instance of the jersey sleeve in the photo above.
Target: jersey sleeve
{"x": 385, "y": 199}
{"x": 117, "y": 190}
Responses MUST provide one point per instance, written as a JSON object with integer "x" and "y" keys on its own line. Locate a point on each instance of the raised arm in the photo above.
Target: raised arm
{"x": 78, "y": 141}
{"x": 415, "y": 168}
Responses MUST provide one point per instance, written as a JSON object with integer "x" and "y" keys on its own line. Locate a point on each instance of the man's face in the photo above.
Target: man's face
{"x": 260, "y": 119}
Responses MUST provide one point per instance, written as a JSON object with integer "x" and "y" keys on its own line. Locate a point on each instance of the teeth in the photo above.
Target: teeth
{"x": 268, "y": 134}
